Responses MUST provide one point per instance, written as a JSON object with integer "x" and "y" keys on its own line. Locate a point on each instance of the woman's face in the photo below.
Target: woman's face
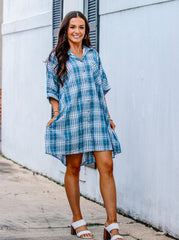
{"x": 76, "y": 30}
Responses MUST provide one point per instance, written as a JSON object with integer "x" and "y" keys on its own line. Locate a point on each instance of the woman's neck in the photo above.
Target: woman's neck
{"x": 77, "y": 49}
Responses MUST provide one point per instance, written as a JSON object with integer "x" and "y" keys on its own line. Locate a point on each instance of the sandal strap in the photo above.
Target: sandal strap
{"x": 116, "y": 237}
{"x": 112, "y": 226}
{"x": 82, "y": 233}
{"x": 78, "y": 224}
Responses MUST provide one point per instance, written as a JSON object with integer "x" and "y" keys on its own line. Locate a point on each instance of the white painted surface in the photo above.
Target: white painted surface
{"x": 72, "y": 5}
{"x": 14, "y": 10}
{"x": 38, "y": 21}
{"x": 139, "y": 51}
{"x": 25, "y": 109}
{"x": 0, "y": 43}
{"x": 107, "y": 6}
{"x": 143, "y": 70}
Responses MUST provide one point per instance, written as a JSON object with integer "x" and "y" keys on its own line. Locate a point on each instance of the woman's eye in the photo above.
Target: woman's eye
{"x": 72, "y": 27}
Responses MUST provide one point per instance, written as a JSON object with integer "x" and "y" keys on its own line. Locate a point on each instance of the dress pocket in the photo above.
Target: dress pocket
{"x": 55, "y": 120}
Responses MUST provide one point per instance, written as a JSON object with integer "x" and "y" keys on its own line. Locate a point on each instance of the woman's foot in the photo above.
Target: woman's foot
{"x": 114, "y": 231}
{"x": 82, "y": 227}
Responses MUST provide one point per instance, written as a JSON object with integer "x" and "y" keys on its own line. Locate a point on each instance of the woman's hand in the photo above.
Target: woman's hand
{"x": 52, "y": 119}
{"x": 112, "y": 124}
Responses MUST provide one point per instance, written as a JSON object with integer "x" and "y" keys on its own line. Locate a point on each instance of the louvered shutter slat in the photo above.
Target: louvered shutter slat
{"x": 57, "y": 16}
{"x": 91, "y": 9}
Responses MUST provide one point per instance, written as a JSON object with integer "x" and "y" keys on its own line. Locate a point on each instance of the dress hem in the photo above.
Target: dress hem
{"x": 84, "y": 151}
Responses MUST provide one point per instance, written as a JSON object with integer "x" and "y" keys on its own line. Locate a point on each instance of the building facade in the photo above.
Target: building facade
{"x": 1, "y": 13}
{"x": 138, "y": 45}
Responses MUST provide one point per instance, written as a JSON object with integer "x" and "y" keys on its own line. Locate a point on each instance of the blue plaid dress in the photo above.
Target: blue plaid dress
{"x": 83, "y": 125}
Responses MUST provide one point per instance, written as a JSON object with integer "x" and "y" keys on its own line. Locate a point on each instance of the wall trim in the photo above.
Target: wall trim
{"x": 102, "y": 13}
{"x": 37, "y": 21}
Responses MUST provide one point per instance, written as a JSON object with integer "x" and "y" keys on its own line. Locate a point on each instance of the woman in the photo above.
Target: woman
{"x": 81, "y": 130}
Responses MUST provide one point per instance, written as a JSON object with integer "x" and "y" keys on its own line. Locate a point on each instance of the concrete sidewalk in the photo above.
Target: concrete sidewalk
{"x": 34, "y": 208}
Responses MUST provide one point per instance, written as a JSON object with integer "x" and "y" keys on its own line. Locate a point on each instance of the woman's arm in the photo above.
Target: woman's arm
{"x": 55, "y": 107}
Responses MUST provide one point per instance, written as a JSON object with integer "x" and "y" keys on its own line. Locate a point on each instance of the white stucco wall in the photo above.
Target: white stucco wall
{"x": 138, "y": 48}
{"x": 1, "y": 12}
{"x": 113, "y": 6}
{"x": 27, "y": 41}
{"x": 15, "y": 10}
{"x": 142, "y": 68}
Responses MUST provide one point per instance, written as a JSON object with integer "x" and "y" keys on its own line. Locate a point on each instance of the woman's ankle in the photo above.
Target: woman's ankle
{"x": 77, "y": 218}
{"x": 108, "y": 222}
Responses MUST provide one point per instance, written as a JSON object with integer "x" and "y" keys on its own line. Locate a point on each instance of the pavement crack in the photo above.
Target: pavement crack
{"x": 94, "y": 224}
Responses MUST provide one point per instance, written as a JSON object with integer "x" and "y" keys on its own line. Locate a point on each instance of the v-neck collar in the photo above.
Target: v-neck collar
{"x": 85, "y": 50}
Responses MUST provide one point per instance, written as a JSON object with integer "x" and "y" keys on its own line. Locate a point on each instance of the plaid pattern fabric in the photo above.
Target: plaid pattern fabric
{"x": 82, "y": 125}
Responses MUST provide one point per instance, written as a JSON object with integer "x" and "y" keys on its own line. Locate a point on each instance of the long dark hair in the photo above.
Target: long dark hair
{"x": 62, "y": 46}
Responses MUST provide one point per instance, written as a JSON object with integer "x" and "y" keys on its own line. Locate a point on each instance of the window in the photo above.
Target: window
{"x": 57, "y": 16}
{"x": 91, "y": 11}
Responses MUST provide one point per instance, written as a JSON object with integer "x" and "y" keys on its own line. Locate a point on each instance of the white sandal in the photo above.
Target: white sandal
{"x": 107, "y": 232}
{"x": 78, "y": 224}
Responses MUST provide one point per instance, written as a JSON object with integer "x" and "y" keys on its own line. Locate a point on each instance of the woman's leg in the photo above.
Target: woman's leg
{"x": 72, "y": 187}
{"x": 104, "y": 164}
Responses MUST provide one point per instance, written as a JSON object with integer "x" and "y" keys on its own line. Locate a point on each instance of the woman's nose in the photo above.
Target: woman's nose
{"x": 77, "y": 30}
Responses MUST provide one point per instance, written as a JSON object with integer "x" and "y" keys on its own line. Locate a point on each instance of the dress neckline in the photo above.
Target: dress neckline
{"x": 85, "y": 49}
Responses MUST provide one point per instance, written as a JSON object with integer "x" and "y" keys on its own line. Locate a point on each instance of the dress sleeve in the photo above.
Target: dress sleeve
{"x": 52, "y": 84}
{"x": 105, "y": 85}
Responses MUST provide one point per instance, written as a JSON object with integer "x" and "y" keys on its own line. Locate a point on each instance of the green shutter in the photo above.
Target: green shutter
{"x": 57, "y": 16}
{"x": 91, "y": 10}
